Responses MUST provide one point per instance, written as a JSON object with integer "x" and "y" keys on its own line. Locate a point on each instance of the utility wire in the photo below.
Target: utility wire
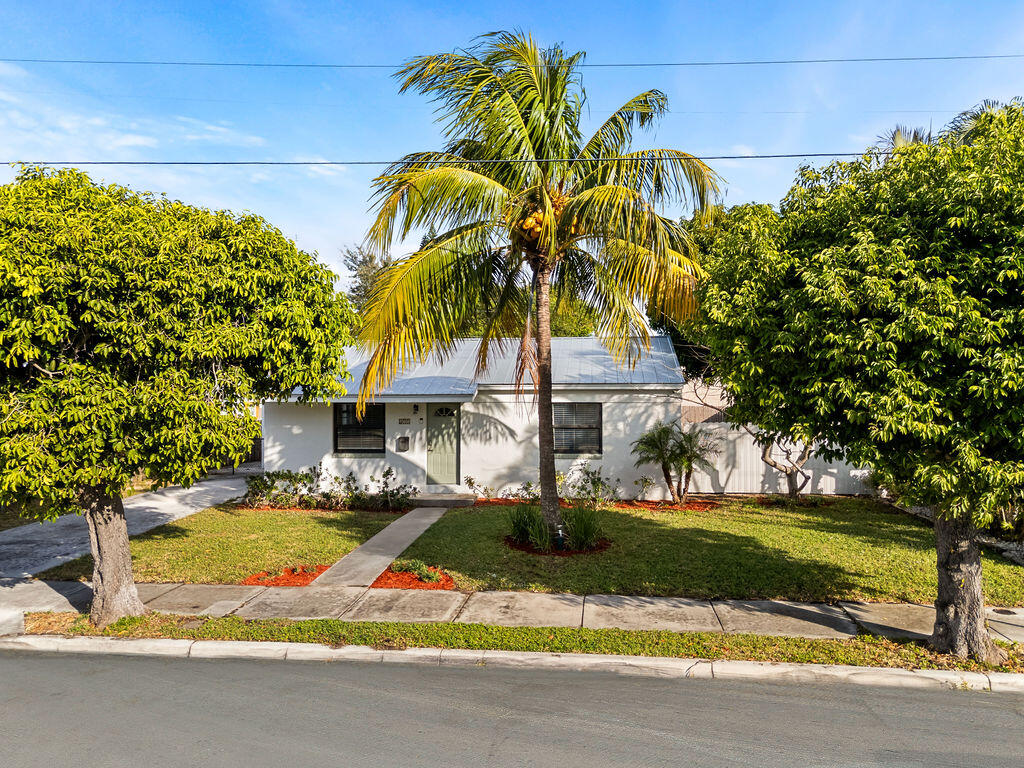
{"x": 610, "y": 65}
{"x": 411, "y": 162}
{"x": 427, "y": 109}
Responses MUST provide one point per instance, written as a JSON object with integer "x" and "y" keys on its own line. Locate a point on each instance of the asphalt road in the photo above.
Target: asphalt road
{"x": 97, "y": 711}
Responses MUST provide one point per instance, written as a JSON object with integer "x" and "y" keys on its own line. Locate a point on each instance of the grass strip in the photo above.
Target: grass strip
{"x": 865, "y": 650}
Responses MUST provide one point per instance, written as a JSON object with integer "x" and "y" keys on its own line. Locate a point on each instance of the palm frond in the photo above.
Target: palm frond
{"x": 616, "y": 133}
{"x": 433, "y": 198}
{"x": 964, "y": 128}
{"x": 662, "y": 176}
{"x": 409, "y": 315}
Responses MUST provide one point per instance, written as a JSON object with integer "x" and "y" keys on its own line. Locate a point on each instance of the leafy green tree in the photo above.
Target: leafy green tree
{"x": 136, "y": 334}
{"x": 526, "y": 206}
{"x": 880, "y": 312}
{"x": 365, "y": 267}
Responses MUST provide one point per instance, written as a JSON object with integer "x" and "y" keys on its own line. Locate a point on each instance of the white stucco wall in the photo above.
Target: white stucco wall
{"x": 499, "y": 438}
{"x": 499, "y": 445}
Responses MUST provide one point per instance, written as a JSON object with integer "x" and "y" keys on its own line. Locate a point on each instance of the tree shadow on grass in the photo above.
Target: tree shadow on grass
{"x": 648, "y": 556}
{"x": 874, "y": 527}
{"x": 358, "y": 523}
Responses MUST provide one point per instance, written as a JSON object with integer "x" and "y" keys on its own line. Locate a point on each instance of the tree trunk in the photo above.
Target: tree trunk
{"x": 686, "y": 485}
{"x": 960, "y": 606}
{"x": 672, "y": 492}
{"x": 545, "y": 419}
{"x": 114, "y": 593}
{"x": 792, "y": 486}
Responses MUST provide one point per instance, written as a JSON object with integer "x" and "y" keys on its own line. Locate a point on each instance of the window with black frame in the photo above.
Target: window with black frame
{"x": 353, "y": 435}
{"x": 577, "y": 427}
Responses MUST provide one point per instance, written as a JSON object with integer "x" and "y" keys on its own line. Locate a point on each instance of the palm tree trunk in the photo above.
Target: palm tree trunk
{"x": 545, "y": 418}
{"x": 686, "y": 485}
{"x": 672, "y": 492}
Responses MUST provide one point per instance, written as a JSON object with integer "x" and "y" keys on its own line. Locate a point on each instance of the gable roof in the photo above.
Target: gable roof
{"x": 576, "y": 361}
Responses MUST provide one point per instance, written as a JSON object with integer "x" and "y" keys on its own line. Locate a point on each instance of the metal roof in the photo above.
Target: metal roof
{"x": 582, "y": 361}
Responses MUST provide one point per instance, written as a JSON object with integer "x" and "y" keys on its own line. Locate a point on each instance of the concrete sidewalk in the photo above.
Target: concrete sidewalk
{"x": 361, "y": 566}
{"x": 518, "y": 609}
{"x": 35, "y": 547}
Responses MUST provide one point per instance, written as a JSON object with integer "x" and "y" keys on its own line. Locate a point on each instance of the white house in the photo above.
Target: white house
{"x": 438, "y": 425}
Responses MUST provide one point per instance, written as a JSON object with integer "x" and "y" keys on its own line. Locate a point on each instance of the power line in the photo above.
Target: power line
{"x": 779, "y": 156}
{"x": 609, "y": 65}
{"x": 427, "y": 109}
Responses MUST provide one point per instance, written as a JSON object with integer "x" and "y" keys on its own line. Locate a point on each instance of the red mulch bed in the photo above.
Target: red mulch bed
{"x": 602, "y": 545}
{"x": 295, "y": 576}
{"x": 697, "y": 505}
{"x": 405, "y": 580}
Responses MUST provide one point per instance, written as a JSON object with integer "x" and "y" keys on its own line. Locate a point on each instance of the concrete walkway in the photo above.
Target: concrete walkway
{"x": 31, "y": 548}
{"x": 361, "y": 566}
{"x": 519, "y": 609}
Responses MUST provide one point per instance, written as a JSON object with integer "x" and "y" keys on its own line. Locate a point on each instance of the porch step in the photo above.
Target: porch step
{"x": 446, "y": 500}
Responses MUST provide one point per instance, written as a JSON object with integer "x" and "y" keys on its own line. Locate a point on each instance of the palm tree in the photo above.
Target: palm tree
{"x": 902, "y": 136}
{"x": 660, "y": 446}
{"x": 964, "y": 128}
{"x": 693, "y": 451}
{"x": 527, "y": 207}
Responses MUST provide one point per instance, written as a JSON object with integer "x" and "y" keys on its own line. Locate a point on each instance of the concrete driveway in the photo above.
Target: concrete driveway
{"x": 29, "y": 549}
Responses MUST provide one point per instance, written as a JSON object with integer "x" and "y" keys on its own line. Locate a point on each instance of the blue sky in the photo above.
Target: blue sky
{"x": 58, "y": 112}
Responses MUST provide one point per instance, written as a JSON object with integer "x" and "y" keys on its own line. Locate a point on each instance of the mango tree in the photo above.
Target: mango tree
{"x": 879, "y": 312}
{"x": 136, "y": 335}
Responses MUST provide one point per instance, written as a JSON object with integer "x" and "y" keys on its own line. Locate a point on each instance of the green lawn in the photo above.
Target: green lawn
{"x": 223, "y": 545}
{"x": 850, "y": 549}
{"x": 862, "y": 651}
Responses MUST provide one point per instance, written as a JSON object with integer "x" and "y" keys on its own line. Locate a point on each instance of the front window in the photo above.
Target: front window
{"x": 577, "y": 427}
{"x": 352, "y": 435}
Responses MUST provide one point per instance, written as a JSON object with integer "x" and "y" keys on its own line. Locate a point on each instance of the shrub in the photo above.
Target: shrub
{"x": 386, "y": 496}
{"x": 643, "y": 484}
{"x": 481, "y": 491}
{"x": 418, "y": 568}
{"x": 584, "y": 483}
{"x": 283, "y": 488}
{"x": 528, "y": 526}
{"x": 315, "y": 488}
{"x": 582, "y": 526}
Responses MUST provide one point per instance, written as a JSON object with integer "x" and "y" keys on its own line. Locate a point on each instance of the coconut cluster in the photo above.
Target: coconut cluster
{"x": 533, "y": 223}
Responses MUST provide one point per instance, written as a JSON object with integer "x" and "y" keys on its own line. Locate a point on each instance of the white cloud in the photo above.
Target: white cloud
{"x": 133, "y": 140}
{"x": 322, "y": 171}
{"x": 211, "y": 133}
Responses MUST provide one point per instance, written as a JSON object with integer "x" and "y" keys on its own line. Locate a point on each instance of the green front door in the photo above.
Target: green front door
{"x": 442, "y": 444}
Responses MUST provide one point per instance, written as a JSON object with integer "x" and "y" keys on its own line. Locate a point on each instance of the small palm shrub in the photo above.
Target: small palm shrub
{"x": 528, "y": 527}
{"x": 582, "y": 526}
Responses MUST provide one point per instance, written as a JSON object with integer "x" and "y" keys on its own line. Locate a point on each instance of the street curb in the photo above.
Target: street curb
{"x": 645, "y": 666}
